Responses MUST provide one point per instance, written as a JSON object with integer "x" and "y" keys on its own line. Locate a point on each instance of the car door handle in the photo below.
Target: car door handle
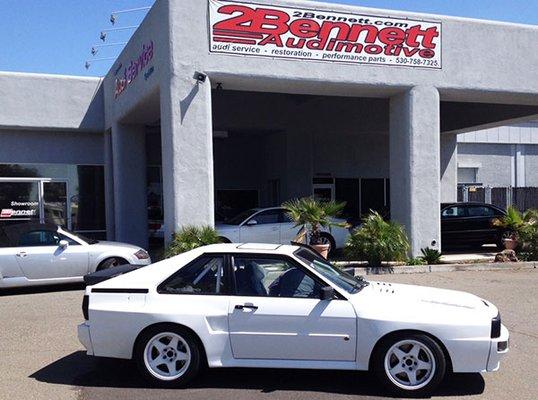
{"x": 248, "y": 306}
{"x": 22, "y": 254}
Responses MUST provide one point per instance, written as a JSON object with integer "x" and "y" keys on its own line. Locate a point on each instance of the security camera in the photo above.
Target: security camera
{"x": 200, "y": 77}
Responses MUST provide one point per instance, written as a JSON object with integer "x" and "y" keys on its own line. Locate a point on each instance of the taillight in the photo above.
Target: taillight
{"x": 85, "y": 306}
{"x": 496, "y": 327}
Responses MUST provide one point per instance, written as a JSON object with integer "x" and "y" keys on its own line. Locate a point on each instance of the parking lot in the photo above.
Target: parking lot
{"x": 42, "y": 359}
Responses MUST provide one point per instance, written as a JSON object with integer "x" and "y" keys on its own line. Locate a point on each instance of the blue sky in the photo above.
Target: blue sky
{"x": 55, "y": 36}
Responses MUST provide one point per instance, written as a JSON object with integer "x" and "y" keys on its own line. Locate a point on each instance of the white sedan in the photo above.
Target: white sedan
{"x": 272, "y": 225}
{"x": 282, "y": 306}
{"x": 43, "y": 254}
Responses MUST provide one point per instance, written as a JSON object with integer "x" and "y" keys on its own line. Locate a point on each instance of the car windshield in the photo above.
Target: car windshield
{"x": 78, "y": 235}
{"x": 241, "y": 217}
{"x": 342, "y": 279}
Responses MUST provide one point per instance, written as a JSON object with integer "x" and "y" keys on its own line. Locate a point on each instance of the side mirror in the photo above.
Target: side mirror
{"x": 252, "y": 222}
{"x": 63, "y": 244}
{"x": 327, "y": 293}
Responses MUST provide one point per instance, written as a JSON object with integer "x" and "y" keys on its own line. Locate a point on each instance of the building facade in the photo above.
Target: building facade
{"x": 215, "y": 106}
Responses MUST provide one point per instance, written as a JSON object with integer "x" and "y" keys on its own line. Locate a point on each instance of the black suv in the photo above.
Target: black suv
{"x": 470, "y": 224}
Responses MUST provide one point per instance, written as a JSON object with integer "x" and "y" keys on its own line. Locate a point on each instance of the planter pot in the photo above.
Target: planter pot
{"x": 322, "y": 249}
{"x": 510, "y": 244}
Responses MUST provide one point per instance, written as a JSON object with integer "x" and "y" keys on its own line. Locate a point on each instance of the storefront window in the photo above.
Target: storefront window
{"x": 69, "y": 195}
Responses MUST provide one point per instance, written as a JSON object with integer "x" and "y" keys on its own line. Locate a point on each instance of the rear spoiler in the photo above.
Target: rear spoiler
{"x": 106, "y": 274}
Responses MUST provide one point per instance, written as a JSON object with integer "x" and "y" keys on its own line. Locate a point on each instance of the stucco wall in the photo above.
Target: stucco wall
{"x": 531, "y": 165}
{"x": 51, "y": 147}
{"x": 51, "y": 102}
{"x": 493, "y": 162}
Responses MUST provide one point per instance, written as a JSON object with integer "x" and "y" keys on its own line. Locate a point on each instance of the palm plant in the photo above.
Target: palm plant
{"x": 314, "y": 215}
{"x": 431, "y": 256}
{"x": 377, "y": 240}
{"x": 191, "y": 237}
{"x": 512, "y": 222}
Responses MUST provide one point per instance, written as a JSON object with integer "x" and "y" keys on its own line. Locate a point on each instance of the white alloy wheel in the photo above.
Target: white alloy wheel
{"x": 167, "y": 356}
{"x": 410, "y": 364}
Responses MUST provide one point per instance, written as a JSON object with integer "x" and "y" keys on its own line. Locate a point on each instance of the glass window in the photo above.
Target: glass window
{"x": 453, "y": 212}
{"x": 480, "y": 211}
{"x": 340, "y": 278}
{"x": 273, "y": 277}
{"x": 39, "y": 238}
{"x": 467, "y": 175}
{"x": 267, "y": 217}
{"x": 88, "y": 200}
{"x": 203, "y": 276}
{"x": 284, "y": 217}
{"x": 19, "y": 201}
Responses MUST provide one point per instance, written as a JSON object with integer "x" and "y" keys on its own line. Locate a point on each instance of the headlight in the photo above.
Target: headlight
{"x": 142, "y": 254}
{"x": 496, "y": 327}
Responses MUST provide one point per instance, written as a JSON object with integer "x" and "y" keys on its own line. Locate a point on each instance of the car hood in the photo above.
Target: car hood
{"x": 396, "y": 301}
{"x": 107, "y": 244}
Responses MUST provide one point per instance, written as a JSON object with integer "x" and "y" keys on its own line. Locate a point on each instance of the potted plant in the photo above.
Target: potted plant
{"x": 511, "y": 223}
{"x": 313, "y": 215}
{"x": 377, "y": 241}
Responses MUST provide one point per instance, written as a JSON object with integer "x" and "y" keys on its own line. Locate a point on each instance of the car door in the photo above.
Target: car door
{"x": 480, "y": 220}
{"x": 275, "y": 313}
{"x": 288, "y": 228}
{"x": 262, "y": 227}
{"x": 40, "y": 255}
{"x": 453, "y": 225}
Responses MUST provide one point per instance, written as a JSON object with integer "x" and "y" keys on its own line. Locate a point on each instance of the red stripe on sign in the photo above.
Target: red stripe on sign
{"x": 233, "y": 40}
{"x": 223, "y": 32}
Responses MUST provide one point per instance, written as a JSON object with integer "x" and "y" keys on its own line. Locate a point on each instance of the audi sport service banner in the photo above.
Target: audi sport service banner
{"x": 285, "y": 32}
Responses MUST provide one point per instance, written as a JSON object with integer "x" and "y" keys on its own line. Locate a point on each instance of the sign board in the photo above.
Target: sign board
{"x": 307, "y": 34}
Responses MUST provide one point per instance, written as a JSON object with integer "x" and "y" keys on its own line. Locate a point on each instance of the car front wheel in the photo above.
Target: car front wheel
{"x": 168, "y": 356}
{"x": 410, "y": 365}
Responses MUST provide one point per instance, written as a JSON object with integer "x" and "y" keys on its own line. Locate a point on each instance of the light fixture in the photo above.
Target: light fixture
{"x": 200, "y": 77}
{"x": 102, "y": 36}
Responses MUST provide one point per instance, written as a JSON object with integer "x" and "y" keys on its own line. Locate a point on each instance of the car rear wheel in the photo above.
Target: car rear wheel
{"x": 168, "y": 356}
{"x": 410, "y": 365}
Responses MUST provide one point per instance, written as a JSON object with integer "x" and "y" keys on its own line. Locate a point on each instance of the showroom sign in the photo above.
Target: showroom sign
{"x": 300, "y": 33}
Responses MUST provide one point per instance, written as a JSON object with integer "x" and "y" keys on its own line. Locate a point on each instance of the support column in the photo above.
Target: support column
{"x": 130, "y": 184}
{"x": 299, "y": 168}
{"x": 415, "y": 164}
{"x": 187, "y": 153}
{"x": 449, "y": 168}
{"x": 109, "y": 187}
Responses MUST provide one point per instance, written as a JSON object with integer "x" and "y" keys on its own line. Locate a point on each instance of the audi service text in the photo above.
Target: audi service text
{"x": 254, "y": 29}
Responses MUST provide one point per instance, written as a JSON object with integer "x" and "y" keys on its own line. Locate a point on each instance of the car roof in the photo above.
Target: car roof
{"x": 248, "y": 248}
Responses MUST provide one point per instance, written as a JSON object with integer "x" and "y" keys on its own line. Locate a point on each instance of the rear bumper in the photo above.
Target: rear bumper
{"x": 84, "y": 337}
{"x": 498, "y": 348}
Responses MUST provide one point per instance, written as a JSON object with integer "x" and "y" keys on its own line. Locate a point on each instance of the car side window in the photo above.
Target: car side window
{"x": 480, "y": 211}
{"x": 453, "y": 212}
{"x": 39, "y": 238}
{"x": 284, "y": 217}
{"x": 266, "y": 217}
{"x": 272, "y": 277}
{"x": 205, "y": 275}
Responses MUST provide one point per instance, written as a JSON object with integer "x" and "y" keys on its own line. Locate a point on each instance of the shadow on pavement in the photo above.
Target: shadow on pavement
{"x": 41, "y": 289}
{"x": 77, "y": 369}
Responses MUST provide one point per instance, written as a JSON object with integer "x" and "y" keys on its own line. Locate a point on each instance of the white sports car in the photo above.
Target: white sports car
{"x": 272, "y": 225}
{"x": 44, "y": 254}
{"x": 282, "y": 306}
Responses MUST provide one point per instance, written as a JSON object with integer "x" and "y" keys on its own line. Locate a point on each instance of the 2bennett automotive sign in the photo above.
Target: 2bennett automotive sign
{"x": 299, "y": 33}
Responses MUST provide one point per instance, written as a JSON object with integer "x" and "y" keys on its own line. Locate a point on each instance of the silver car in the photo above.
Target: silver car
{"x": 42, "y": 254}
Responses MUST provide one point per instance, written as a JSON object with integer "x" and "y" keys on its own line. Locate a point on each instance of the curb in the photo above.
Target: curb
{"x": 424, "y": 269}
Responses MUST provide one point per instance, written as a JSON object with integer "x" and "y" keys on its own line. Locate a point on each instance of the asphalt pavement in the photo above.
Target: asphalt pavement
{"x": 42, "y": 359}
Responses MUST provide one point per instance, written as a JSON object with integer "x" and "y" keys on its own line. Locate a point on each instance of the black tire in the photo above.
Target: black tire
{"x": 111, "y": 263}
{"x": 328, "y": 237}
{"x": 432, "y": 379}
{"x": 189, "y": 340}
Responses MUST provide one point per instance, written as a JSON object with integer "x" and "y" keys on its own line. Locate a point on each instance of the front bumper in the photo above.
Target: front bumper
{"x": 498, "y": 348}
{"x": 84, "y": 337}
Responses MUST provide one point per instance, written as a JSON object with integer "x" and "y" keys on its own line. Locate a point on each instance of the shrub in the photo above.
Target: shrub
{"x": 377, "y": 240}
{"x": 528, "y": 236}
{"x": 415, "y": 261}
{"x": 190, "y": 237}
{"x": 430, "y": 256}
{"x": 313, "y": 215}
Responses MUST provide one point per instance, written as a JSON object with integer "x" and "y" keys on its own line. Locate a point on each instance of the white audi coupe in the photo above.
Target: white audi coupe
{"x": 281, "y": 306}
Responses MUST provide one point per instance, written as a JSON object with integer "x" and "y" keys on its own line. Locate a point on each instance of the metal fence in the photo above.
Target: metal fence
{"x": 522, "y": 198}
